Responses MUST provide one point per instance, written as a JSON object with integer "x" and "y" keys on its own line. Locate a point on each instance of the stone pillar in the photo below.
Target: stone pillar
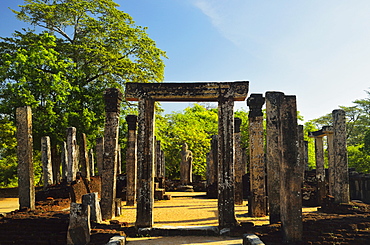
{"x": 159, "y": 164}
{"x": 226, "y": 174}
{"x": 64, "y": 161}
{"x": 320, "y": 168}
{"x": 91, "y": 162}
{"x": 131, "y": 160}
{"x": 26, "y": 187}
{"x": 99, "y": 154}
{"x": 79, "y": 227}
{"x": 274, "y": 101}
{"x": 301, "y": 148}
{"x": 119, "y": 161}
{"x": 145, "y": 161}
{"x": 290, "y": 174}
{"x": 212, "y": 169}
{"x": 47, "y": 168}
{"x": 113, "y": 98}
{"x": 257, "y": 204}
{"x": 72, "y": 154}
{"x": 92, "y": 200}
{"x": 84, "y": 157}
{"x": 56, "y": 162}
{"x": 328, "y": 130}
{"x": 305, "y": 166}
{"x": 239, "y": 163}
{"x": 341, "y": 184}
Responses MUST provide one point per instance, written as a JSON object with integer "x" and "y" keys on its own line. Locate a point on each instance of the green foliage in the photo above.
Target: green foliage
{"x": 194, "y": 126}
{"x": 8, "y": 161}
{"x": 358, "y": 136}
{"x": 358, "y": 159}
{"x": 310, "y": 127}
{"x": 80, "y": 48}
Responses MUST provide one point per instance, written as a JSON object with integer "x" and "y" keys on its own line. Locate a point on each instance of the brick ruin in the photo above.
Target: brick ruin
{"x": 278, "y": 170}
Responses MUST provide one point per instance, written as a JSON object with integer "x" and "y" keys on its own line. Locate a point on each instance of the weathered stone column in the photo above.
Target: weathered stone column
{"x": 328, "y": 130}
{"x": 212, "y": 169}
{"x": 305, "y": 165}
{"x": 84, "y": 157}
{"x": 56, "y": 162}
{"x": 91, "y": 162}
{"x": 341, "y": 183}
{"x": 145, "y": 161}
{"x": 26, "y": 187}
{"x": 113, "y": 98}
{"x": 226, "y": 179}
{"x": 159, "y": 164}
{"x": 79, "y": 227}
{"x": 290, "y": 174}
{"x": 239, "y": 164}
{"x": 72, "y": 154}
{"x": 273, "y": 153}
{"x": 119, "y": 161}
{"x": 301, "y": 148}
{"x": 99, "y": 154}
{"x": 257, "y": 204}
{"x": 131, "y": 160}
{"x": 320, "y": 168}
{"x": 64, "y": 160}
{"x": 47, "y": 168}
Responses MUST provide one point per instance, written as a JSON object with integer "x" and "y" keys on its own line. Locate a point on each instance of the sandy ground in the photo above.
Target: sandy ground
{"x": 189, "y": 209}
{"x": 8, "y": 204}
{"x": 184, "y": 209}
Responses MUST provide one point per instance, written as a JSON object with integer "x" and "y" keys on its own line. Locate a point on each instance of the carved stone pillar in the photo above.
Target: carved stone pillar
{"x": 71, "y": 154}
{"x": 145, "y": 161}
{"x": 47, "y": 168}
{"x": 328, "y": 130}
{"x": 26, "y": 187}
{"x": 274, "y": 102}
{"x": 291, "y": 174}
{"x": 257, "y": 204}
{"x": 113, "y": 99}
{"x": 131, "y": 160}
{"x": 341, "y": 183}
{"x": 239, "y": 163}
{"x": 226, "y": 172}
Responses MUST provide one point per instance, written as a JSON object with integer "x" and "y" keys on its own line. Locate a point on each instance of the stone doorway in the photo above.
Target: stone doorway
{"x": 225, "y": 93}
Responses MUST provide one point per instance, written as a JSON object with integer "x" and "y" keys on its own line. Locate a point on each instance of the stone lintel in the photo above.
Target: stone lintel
{"x": 318, "y": 134}
{"x": 207, "y": 91}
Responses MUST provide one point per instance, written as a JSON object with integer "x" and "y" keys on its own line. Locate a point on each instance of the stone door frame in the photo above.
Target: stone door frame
{"x": 225, "y": 93}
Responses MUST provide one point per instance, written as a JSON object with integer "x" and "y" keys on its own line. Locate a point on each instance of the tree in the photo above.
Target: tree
{"x": 80, "y": 48}
{"x": 105, "y": 48}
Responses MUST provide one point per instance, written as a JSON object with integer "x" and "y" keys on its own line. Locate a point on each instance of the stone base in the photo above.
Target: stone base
{"x": 187, "y": 188}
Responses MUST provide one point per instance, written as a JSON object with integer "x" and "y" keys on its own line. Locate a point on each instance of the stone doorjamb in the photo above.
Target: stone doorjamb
{"x": 225, "y": 93}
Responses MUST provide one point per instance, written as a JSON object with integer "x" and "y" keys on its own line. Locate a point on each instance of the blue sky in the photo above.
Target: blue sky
{"x": 316, "y": 50}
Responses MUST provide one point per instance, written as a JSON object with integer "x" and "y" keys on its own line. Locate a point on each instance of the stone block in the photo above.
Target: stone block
{"x": 92, "y": 200}
{"x": 159, "y": 194}
{"x": 117, "y": 240}
{"x": 251, "y": 239}
{"x": 78, "y": 189}
{"x": 79, "y": 225}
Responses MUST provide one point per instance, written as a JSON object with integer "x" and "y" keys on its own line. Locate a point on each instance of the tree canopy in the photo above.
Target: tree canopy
{"x": 61, "y": 67}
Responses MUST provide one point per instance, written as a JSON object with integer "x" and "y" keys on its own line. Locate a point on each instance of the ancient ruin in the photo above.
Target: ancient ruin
{"x": 276, "y": 170}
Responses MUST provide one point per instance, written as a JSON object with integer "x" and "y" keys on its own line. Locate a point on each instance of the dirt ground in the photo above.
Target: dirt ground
{"x": 48, "y": 223}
